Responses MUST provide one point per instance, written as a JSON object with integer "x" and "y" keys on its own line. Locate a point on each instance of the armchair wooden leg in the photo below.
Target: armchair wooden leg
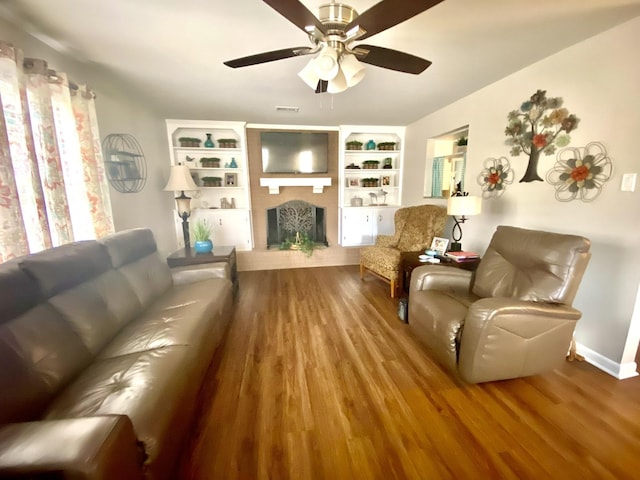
{"x": 393, "y": 289}
{"x": 361, "y": 271}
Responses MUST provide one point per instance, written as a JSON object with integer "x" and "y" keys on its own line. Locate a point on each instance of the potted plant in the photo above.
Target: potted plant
{"x": 189, "y": 142}
{"x": 370, "y": 164}
{"x": 211, "y": 181}
{"x": 227, "y": 143}
{"x": 202, "y": 237}
{"x": 354, "y": 145}
{"x": 211, "y": 162}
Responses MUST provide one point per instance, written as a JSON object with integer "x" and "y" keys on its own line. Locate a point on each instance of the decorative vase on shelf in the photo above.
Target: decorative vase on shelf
{"x": 208, "y": 143}
{"x": 203, "y": 246}
{"x": 371, "y": 145}
{"x": 233, "y": 163}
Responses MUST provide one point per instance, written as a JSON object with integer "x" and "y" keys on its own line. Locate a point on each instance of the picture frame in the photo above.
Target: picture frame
{"x": 231, "y": 179}
{"x": 354, "y": 182}
{"x": 439, "y": 245}
{"x": 386, "y": 180}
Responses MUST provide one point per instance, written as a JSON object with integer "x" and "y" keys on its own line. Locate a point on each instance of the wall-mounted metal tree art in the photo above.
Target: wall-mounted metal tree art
{"x": 538, "y": 127}
{"x": 580, "y": 173}
{"x": 495, "y": 176}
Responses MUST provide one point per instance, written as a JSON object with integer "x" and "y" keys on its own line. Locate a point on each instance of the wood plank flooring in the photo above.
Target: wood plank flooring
{"x": 318, "y": 379}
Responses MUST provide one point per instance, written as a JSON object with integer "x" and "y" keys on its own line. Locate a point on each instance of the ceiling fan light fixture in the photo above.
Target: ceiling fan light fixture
{"x": 338, "y": 83}
{"x": 308, "y": 74}
{"x": 326, "y": 64}
{"x": 352, "y": 69}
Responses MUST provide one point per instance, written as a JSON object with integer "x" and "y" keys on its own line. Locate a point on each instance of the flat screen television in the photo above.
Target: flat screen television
{"x": 295, "y": 152}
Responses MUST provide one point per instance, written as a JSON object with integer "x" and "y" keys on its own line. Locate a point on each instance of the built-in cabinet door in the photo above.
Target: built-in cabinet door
{"x": 357, "y": 226}
{"x": 228, "y": 226}
{"x": 384, "y": 221}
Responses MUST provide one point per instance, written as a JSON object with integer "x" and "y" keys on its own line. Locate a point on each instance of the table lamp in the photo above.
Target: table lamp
{"x": 461, "y": 205}
{"x": 180, "y": 180}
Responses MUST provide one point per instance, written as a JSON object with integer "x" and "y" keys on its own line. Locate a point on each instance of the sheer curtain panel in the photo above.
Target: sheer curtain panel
{"x": 53, "y": 189}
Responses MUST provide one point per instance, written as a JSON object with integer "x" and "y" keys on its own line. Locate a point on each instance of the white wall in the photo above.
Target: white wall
{"x": 119, "y": 110}
{"x": 599, "y": 80}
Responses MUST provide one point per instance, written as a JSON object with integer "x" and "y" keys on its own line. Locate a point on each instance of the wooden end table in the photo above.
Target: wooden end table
{"x": 220, "y": 253}
{"x": 410, "y": 260}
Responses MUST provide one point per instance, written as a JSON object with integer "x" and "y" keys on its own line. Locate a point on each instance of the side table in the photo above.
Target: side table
{"x": 410, "y": 260}
{"x": 220, "y": 253}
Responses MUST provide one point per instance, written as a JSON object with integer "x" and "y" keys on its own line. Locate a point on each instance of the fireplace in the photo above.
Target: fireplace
{"x": 289, "y": 222}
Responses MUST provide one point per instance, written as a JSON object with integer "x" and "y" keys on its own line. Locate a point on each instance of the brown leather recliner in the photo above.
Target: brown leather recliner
{"x": 514, "y": 317}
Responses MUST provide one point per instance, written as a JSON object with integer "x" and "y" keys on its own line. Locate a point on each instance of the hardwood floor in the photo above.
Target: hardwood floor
{"x": 318, "y": 379}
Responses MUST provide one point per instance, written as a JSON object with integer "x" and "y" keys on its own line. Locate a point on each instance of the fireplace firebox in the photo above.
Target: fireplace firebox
{"x": 293, "y": 220}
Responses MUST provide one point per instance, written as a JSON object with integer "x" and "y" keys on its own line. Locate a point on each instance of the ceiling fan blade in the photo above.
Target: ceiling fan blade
{"x": 269, "y": 56}
{"x": 322, "y": 86}
{"x": 392, "y": 59}
{"x": 389, "y": 13}
{"x": 296, "y": 13}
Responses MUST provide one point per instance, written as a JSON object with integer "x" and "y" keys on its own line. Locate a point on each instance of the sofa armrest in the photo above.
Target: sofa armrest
{"x": 387, "y": 241}
{"x": 439, "y": 277}
{"x": 195, "y": 273}
{"x": 508, "y": 338}
{"x": 101, "y": 447}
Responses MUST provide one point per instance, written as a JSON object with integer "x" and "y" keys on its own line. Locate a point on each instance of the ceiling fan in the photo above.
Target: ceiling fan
{"x": 332, "y": 33}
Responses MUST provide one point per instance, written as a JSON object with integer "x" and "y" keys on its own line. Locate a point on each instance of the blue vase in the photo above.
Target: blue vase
{"x": 371, "y": 145}
{"x": 233, "y": 163}
{"x": 208, "y": 143}
{"x": 203, "y": 246}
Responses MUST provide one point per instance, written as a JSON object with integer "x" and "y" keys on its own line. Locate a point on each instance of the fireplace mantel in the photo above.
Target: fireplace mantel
{"x": 274, "y": 183}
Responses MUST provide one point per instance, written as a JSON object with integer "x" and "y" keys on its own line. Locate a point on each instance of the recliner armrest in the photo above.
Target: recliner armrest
{"x": 101, "y": 447}
{"x": 533, "y": 336}
{"x": 440, "y": 277}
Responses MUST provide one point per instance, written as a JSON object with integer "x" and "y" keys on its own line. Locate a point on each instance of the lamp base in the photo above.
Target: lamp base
{"x": 455, "y": 247}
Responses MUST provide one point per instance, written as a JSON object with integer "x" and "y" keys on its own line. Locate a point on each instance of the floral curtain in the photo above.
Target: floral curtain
{"x": 53, "y": 189}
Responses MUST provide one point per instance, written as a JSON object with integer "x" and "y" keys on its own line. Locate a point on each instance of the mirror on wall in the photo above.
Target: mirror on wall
{"x": 445, "y": 163}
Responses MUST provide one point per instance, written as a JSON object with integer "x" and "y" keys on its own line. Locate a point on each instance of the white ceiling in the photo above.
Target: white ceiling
{"x": 172, "y": 51}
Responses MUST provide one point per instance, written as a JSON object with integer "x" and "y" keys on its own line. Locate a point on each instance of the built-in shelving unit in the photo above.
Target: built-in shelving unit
{"x": 370, "y": 180}
{"x": 223, "y": 196}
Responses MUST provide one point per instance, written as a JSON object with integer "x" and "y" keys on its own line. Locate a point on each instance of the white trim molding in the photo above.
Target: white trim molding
{"x": 274, "y": 183}
{"x": 620, "y": 371}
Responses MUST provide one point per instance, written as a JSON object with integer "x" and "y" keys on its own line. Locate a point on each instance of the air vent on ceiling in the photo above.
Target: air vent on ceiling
{"x": 280, "y": 108}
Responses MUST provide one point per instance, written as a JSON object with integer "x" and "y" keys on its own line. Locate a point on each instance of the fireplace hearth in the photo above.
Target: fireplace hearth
{"x": 293, "y": 220}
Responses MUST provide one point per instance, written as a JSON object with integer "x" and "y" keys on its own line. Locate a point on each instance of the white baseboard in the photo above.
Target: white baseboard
{"x": 617, "y": 370}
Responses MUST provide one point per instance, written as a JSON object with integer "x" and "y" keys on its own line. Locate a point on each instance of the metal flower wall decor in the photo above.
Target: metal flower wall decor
{"x": 539, "y": 126}
{"x": 580, "y": 173}
{"x": 495, "y": 176}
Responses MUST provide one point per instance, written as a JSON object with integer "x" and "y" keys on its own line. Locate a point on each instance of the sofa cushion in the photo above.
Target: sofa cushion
{"x": 129, "y": 245}
{"x": 149, "y": 277}
{"x": 64, "y": 267}
{"x": 185, "y": 315}
{"x": 156, "y": 389}
{"x": 19, "y": 291}
{"x": 39, "y": 354}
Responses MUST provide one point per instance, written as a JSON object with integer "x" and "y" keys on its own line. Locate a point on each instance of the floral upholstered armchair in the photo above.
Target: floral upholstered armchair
{"x": 415, "y": 228}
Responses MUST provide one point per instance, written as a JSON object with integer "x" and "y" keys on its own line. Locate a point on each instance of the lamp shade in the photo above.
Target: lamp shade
{"x": 459, "y": 205}
{"x": 337, "y": 84}
{"x": 180, "y": 179}
{"x": 353, "y": 70}
{"x": 326, "y": 64}
{"x": 308, "y": 74}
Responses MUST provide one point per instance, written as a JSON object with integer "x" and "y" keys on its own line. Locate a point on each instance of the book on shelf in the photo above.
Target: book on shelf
{"x": 462, "y": 256}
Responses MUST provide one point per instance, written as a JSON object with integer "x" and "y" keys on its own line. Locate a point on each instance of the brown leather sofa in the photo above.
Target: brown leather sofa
{"x": 101, "y": 359}
{"x": 514, "y": 318}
